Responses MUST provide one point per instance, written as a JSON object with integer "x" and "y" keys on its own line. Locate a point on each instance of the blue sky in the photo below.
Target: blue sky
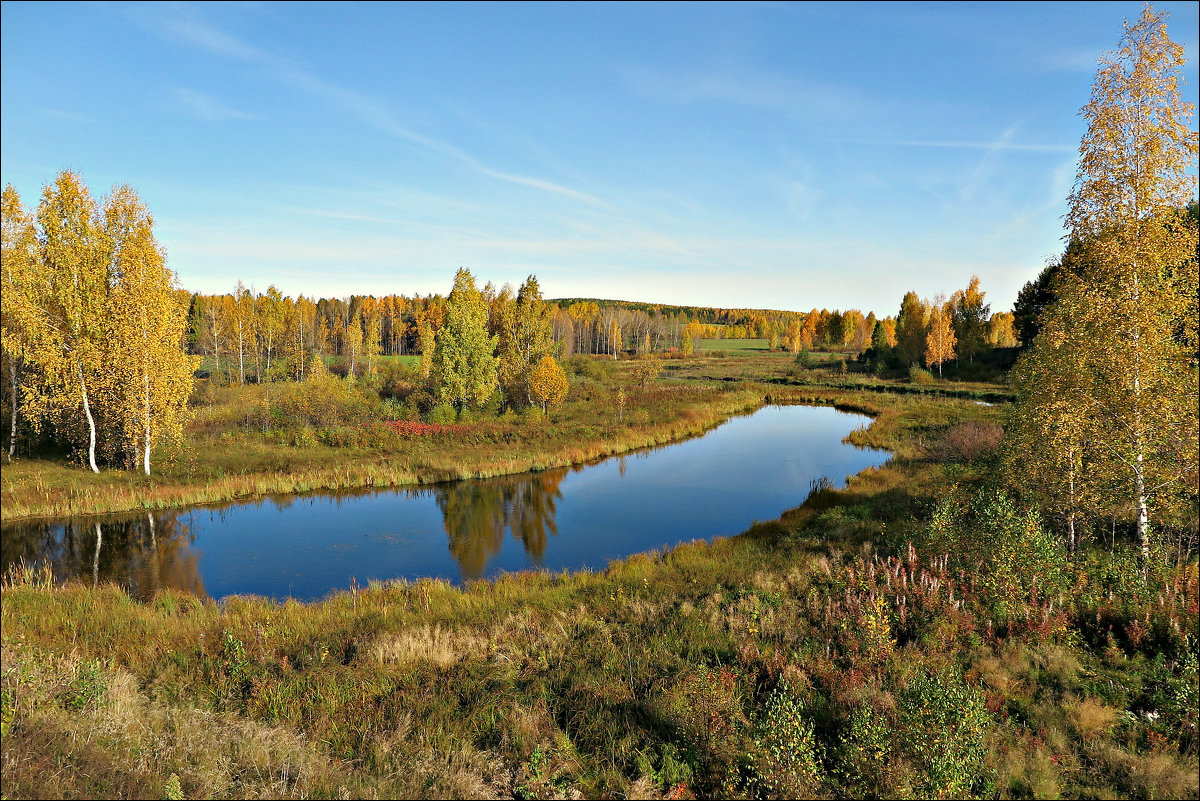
{"x": 783, "y": 156}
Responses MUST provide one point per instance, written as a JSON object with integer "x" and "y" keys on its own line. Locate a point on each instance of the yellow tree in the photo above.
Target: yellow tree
{"x": 583, "y": 316}
{"x": 1050, "y": 437}
{"x": 428, "y": 320}
{"x": 269, "y": 323}
{"x": 65, "y": 312}
{"x": 692, "y": 332}
{"x": 210, "y": 328}
{"x": 372, "y": 339}
{"x": 525, "y": 334}
{"x": 352, "y": 343}
{"x": 242, "y": 324}
{"x": 940, "y": 341}
{"x": 548, "y": 383}
{"x": 16, "y": 271}
{"x": 1128, "y": 314}
{"x": 912, "y": 329}
{"x": 614, "y": 337}
{"x": 969, "y": 316}
{"x": 1002, "y": 330}
{"x": 647, "y": 370}
{"x": 149, "y": 374}
{"x": 889, "y": 331}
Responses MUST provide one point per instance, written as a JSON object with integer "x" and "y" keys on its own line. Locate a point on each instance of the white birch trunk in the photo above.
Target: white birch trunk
{"x": 87, "y": 411}
{"x": 146, "y": 449}
{"x": 96, "y": 559}
{"x": 13, "y": 371}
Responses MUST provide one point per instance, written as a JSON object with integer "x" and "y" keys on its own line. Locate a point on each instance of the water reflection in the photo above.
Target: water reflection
{"x": 155, "y": 550}
{"x": 143, "y": 553}
{"x": 478, "y": 514}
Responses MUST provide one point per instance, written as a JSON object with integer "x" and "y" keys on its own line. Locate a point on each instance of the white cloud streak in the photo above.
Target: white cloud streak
{"x": 184, "y": 24}
{"x": 209, "y": 108}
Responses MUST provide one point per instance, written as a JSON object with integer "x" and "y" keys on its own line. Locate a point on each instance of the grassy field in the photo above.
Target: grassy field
{"x": 912, "y": 635}
{"x": 735, "y": 347}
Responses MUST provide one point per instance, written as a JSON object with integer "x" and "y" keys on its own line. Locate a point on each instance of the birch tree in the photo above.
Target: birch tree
{"x": 463, "y": 362}
{"x": 150, "y": 376}
{"x": 1126, "y": 313}
{"x": 940, "y": 341}
{"x": 67, "y": 304}
{"x": 19, "y": 257}
{"x": 548, "y": 383}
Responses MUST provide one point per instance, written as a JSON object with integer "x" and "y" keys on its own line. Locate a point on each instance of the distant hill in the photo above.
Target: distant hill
{"x": 701, "y": 314}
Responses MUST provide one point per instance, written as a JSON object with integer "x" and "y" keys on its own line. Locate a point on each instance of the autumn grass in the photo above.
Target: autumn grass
{"x": 739, "y": 347}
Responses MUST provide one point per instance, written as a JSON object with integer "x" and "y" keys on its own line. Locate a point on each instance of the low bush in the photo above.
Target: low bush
{"x": 919, "y": 375}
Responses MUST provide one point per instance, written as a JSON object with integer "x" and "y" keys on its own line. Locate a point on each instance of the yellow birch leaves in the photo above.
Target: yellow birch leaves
{"x": 102, "y": 323}
{"x": 1108, "y": 392}
{"x": 548, "y": 383}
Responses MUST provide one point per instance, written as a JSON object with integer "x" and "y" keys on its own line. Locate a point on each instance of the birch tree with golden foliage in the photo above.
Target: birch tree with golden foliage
{"x": 548, "y": 383}
{"x": 65, "y": 309}
{"x": 150, "y": 375}
{"x": 102, "y": 322}
{"x": 940, "y": 341}
{"x": 1127, "y": 315}
{"x": 18, "y": 256}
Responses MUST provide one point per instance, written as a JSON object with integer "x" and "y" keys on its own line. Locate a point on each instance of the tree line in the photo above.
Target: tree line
{"x": 931, "y": 333}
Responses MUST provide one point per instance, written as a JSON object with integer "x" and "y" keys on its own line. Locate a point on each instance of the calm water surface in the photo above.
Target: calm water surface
{"x": 304, "y": 546}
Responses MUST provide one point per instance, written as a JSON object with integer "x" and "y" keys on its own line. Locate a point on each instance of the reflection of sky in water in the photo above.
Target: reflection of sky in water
{"x": 751, "y": 468}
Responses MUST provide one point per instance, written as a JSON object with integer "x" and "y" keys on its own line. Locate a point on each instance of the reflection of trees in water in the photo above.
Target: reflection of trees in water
{"x": 143, "y": 553}
{"x": 478, "y": 513}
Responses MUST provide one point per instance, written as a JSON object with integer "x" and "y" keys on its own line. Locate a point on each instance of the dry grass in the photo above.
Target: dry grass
{"x": 1089, "y": 717}
{"x": 433, "y": 644}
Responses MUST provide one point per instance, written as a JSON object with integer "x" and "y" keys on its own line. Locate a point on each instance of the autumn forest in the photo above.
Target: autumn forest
{"x": 1005, "y": 607}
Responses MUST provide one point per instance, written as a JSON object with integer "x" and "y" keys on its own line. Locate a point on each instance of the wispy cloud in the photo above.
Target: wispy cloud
{"x": 62, "y": 114}
{"x": 992, "y": 146}
{"x": 209, "y": 108}
{"x": 183, "y": 23}
{"x": 749, "y": 88}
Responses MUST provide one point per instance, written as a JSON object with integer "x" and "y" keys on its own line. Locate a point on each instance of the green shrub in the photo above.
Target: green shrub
{"x": 88, "y": 688}
{"x": 865, "y": 753}
{"x": 786, "y": 757}
{"x": 443, "y": 413}
{"x": 945, "y": 724}
{"x": 1020, "y": 564}
{"x": 919, "y": 375}
{"x": 173, "y": 791}
{"x": 589, "y": 367}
